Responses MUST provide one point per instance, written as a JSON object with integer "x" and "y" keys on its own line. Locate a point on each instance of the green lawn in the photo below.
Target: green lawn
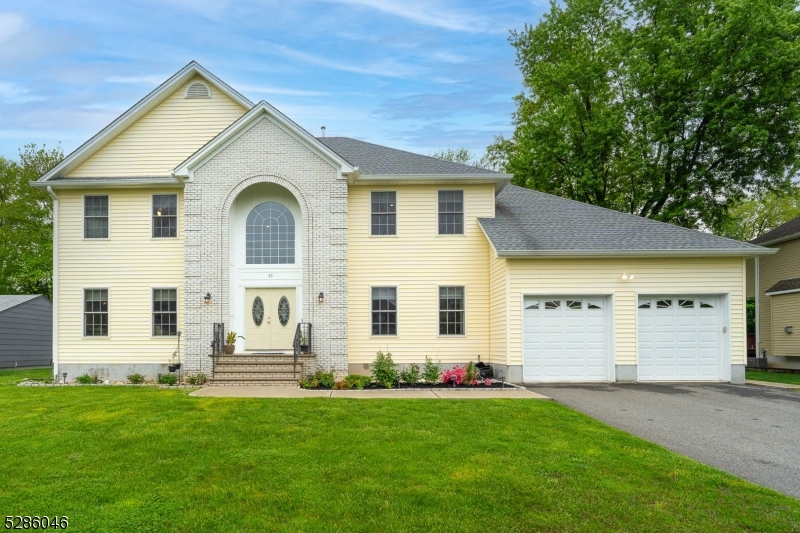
{"x": 775, "y": 377}
{"x": 14, "y": 376}
{"x": 145, "y": 459}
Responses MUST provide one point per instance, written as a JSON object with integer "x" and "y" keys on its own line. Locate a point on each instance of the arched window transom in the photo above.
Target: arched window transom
{"x": 270, "y": 235}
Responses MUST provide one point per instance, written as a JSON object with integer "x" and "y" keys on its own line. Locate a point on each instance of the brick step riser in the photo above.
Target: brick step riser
{"x": 262, "y": 359}
{"x": 282, "y": 383}
{"x": 250, "y": 364}
{"x": 248, "y": 375}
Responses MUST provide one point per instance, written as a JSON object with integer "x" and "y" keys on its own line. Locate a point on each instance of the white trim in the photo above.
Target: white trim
{"x": 499, "y": 180}
{"x": 396, "y": 215}
{"x": 776, "y": 293}
{"x": 83, "y": 218}
{"x": 696, "y": 252}
{"x": 243, "y": 124}
{"x": 113, "y": 183}
{"x": 177, "y": 215}
{"x": 143, "y": 106}
{"x": 55, "y": 282}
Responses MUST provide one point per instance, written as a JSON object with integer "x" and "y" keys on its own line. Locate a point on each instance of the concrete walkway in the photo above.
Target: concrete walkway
{"x": 296, "y": 392}
{"x": 772, "y": 384}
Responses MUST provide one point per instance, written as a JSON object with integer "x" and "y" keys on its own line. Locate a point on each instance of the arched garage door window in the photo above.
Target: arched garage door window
{"x": 270, "y": 235}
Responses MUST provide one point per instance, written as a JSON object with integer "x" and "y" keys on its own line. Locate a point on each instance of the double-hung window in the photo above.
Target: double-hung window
{"x": 451, "y": 212}
{"x": 384, "y": 212}
{"x": 451, "y": 310}
{"x": 384, "y": 310}
{"x": 165, "y": 215}
{"x": 165, "y": 312}
{"x": 95, "y": 312}
{"x": 95, "y": 217}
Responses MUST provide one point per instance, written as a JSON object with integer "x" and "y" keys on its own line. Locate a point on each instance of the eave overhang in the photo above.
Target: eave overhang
{"x": 379, "y": 180}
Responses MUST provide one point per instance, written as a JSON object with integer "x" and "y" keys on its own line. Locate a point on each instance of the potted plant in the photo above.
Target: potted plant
{"x": 303, "y": 344}
{"x": 230, "y": 341}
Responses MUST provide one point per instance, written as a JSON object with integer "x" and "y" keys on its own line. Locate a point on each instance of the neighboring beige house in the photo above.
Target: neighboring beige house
{"x": 198, "y": 211}
{"x": 774, "y": 281}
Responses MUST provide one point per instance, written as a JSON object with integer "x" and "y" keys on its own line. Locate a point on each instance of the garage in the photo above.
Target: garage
{"x": 566, "y": 339}
{"x": 680, "y": 338}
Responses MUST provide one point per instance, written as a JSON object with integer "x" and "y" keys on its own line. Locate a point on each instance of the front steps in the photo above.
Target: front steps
{"x": 261, "y": 369}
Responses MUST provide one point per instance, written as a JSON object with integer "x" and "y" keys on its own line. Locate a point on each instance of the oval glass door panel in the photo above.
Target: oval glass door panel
{"x": 283, "y": 310}
{"x": 258, "y": 311}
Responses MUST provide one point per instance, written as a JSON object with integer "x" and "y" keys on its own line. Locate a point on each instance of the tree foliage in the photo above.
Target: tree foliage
{"x": 674, "y": 110}
{"x": 26, "y": 223}
{"x": 465, "y": 157}
{"x": 764, "y": 212}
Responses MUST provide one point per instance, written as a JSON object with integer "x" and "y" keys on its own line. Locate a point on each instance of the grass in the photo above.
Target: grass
{"x": 15, "y": 375}
{"x": 773, "y": 377}
{"x": 146, "y": 459}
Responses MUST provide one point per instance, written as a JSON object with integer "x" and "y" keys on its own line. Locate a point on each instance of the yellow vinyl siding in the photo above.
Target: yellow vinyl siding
{"x": 603, "y": 276}
{"x": 772, "y": 268}
{"x": 498, "y": 305}
{"x": 129, "y": 264}
{"x": 785, "y": 312}
{"x": 164, "y": 137}
{"x": 418, "y": 261}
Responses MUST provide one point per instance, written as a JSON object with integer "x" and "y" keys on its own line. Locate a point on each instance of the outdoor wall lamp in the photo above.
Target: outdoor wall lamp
{"x": 321, "y": 298}
{"x": 207, "y": 298}
{"x": 626, "y": 277}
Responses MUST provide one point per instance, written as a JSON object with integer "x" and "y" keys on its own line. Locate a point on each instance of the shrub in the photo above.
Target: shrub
{"x": 167, "y": 379}
{"x": 357, "y": 381}
{"x": 471, "y": 373}
{"x": 411, "y": 374}
{"x": 136, "y": 379}
{"x": 87, "y": 379}
{"x": 342, "y": 385}
{"x": 319, "y": 378}
{"x": 384, "y": 371}
{"x": 462, "y": 375}
{"x": 431, "y": 371}
{"x": 197, "y": 379}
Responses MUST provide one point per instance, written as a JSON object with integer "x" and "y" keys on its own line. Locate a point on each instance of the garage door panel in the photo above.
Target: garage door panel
{"x": 679, "y": 341}
{"x": 569, "y": 341}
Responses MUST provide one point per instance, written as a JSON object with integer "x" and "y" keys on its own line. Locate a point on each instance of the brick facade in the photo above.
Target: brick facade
{"x": 265, "y": 153}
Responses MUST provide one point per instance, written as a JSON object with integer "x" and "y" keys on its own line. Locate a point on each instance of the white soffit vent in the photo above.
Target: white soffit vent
{"x": 198, "y": 90}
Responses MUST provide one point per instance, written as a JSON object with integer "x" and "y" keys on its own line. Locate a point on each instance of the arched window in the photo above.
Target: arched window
{"x": 270, "y": 235}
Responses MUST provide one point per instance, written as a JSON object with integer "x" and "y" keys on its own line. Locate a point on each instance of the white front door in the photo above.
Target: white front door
{"x": 680, "y": 338}
{"x": 270, "y": 319}
{"x": 565, "y": 338}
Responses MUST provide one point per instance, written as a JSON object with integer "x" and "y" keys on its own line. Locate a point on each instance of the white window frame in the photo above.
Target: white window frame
{"x": 83, "y": 218}
{"x": 438, "y": 310}
{"x": 463, "y": 213}
{"x": 397, "y": 311}
{"x": 396, "y": 213}
{"x": 177, "y": 215}
{"x": 153, "y": 313}
{"x": 83, "y": 312}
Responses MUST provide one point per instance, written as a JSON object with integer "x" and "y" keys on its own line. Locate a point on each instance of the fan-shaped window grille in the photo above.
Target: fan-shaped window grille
{"x": 270, "y": 235}
{"x": 283, "y": 311}
{"x": 198, "y": 90}
{"x": 258, "y": 311}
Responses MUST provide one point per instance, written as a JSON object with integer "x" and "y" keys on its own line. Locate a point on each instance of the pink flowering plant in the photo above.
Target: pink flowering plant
{"x": 463, "y": 375}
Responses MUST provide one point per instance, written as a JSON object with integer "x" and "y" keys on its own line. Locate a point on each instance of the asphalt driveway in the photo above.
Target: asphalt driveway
{"x": 750, "y": 431}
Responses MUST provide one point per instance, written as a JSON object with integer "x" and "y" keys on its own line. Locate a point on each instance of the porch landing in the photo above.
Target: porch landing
{"x": 261, "y": 368}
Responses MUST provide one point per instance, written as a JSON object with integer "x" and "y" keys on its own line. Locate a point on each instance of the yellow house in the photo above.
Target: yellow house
{"x": 198, "y": 213}
{"x": 774, "y": 282}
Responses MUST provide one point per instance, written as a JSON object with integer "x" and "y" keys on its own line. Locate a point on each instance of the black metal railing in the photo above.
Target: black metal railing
{"x": 216, "y": 344}
{"x": 302, "y": 342}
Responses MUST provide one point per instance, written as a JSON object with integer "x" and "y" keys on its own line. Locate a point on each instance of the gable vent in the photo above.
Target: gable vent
{"x": 198, "y": 90}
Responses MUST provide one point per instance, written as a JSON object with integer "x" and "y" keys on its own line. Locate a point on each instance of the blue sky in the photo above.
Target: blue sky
{"x": 413, "y": 74}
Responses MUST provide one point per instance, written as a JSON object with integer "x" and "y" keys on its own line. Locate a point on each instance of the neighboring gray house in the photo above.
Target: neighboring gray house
{"x": 26, "y": 331}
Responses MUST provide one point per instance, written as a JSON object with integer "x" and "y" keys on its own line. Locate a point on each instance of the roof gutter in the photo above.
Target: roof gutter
{"x": 634, "y": 253}
{"x": 776, "y": 293}
{"x": 106, "y": 183}
{"x": 779, "y": 240}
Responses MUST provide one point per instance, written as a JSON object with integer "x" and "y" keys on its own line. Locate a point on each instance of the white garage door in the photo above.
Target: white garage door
{"x": 565, "y": 339}
{"x": 680, "y": 338}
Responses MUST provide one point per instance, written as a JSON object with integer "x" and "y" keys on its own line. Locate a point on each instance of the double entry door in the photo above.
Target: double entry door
{"x": 270, "y": 319}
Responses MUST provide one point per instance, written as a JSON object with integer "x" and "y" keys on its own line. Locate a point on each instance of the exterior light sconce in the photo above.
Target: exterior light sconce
{"x": 321, "y": 298}
{"x": 789, "y": 329}
{"x": 626, "y": 277}
{"x": 207, "y": 298}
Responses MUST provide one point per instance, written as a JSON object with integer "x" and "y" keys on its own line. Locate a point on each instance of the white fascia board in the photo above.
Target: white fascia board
{"x": 247, "y": 121}
{"x": 138, "y": 110}
{"x": 634, "y": 253}
{"x": 496, "y": 253}
{"x": 110, "y": 183}
{"x": 776, "y": 293}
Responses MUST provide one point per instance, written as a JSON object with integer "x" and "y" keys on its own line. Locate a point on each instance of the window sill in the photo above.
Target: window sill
{"x": 97, "y": 238}
{"x": 384, "y": 236}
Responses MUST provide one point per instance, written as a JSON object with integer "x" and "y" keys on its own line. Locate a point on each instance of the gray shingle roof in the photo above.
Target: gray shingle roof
{"x": 532, "y": 221}
{"x": 373, "y": 159}
{"x": 785, "y": 285}
{"x": 7, "y": 301}
{"x": 789, "y": 229}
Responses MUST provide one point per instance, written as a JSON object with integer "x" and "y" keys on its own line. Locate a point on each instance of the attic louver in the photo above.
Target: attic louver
{"x": 198, "y": 90}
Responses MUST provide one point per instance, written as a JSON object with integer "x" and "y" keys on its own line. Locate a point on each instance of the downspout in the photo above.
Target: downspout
{"x": 758, "y": 307}
{"x": 55, "y": 281}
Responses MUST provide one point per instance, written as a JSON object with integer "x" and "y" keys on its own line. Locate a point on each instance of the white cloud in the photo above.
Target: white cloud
{"x": 284, "y": 91}
{"x": 137, "y": 80}
{"x": 387, "y": 68}
{"x": 11, "y": 24}
{"x": 13, "y": 93}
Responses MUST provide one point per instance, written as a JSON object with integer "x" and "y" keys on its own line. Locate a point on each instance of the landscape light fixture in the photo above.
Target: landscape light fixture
{"x": 65, "y": 377}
